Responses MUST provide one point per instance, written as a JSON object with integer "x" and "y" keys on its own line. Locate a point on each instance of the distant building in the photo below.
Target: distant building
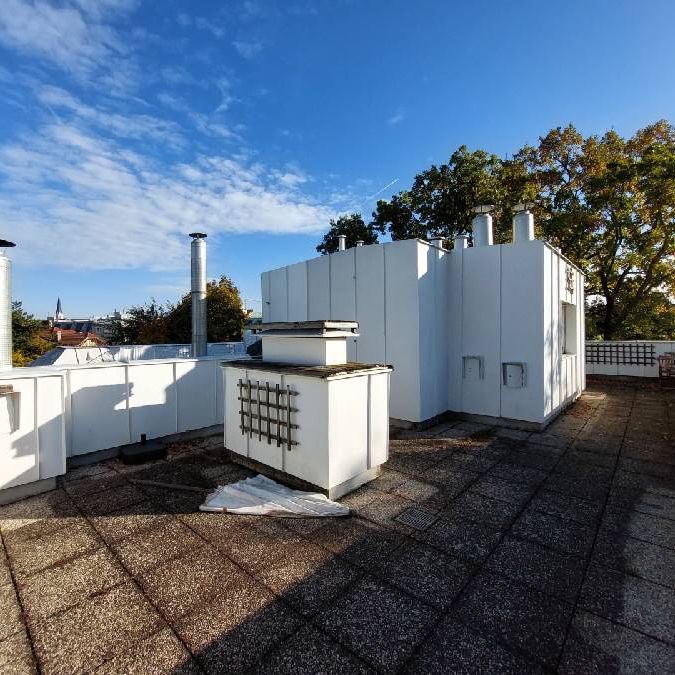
{"x": 101, "y": 327}
{"x": 68, "y": 337}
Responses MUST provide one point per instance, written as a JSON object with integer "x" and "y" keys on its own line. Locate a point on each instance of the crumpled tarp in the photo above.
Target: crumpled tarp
{"x": 261, "y": 496}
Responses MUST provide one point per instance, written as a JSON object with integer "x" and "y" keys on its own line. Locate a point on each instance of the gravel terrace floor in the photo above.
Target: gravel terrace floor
{"x": 551, "y": 551}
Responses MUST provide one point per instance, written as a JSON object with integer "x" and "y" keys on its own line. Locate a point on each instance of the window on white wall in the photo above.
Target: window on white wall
{"x": 568, "y": 328}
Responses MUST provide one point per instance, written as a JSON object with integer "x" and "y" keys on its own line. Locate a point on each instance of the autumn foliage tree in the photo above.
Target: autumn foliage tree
{"x": 225, "y": 314}
{"x": 155, "y": 324}
{"x": 27, "y": 343}
{"x": 607, "y": 202}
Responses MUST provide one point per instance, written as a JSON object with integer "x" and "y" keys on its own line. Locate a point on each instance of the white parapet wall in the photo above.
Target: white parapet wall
{"x": 32, "y": 426}
{"x": 112, "y": 404}
{"x": 626, "y": 358}
{"x": 50, "y": 414}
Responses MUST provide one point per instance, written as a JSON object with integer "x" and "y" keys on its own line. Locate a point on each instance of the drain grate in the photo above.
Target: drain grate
{"x": 417, "y": 518}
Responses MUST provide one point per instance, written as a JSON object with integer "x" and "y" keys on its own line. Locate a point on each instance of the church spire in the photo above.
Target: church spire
{"x": 59, "y": 311}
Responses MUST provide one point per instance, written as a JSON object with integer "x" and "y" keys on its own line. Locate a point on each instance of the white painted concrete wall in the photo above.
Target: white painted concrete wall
{"x": 378, "y": 286}
{"x": 660, "y": 348}
{"x": 112, "y": 404}
{"x": 504, "y": 308}
{"x": 32, "y": 428}
{"x": 422, "y": 309}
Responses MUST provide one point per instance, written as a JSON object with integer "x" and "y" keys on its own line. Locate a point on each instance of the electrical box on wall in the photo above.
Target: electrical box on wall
{"x": 513, "y": 375}
{"x": 473, "y": 368}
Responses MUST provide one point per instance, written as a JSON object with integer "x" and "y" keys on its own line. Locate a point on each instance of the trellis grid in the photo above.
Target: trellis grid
{"x": 267, "y": 414}
{"x": 629, "y": 354}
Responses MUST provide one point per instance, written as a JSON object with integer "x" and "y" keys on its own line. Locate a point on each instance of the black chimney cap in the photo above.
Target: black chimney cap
{"x": 6, "y": 244}
{"x": 197, "y": 235}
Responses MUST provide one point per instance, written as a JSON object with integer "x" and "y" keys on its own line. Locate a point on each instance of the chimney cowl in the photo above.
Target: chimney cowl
{"x": 342, "y": 242}
{"x": 461, "y": 241}
{"x": 359, "y": 242}
{"x": 481, "y": 225}
{"x": 523, "y": 223}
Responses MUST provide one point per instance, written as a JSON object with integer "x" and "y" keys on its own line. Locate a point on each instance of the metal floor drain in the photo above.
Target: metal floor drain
{"x": 417, "y": 518}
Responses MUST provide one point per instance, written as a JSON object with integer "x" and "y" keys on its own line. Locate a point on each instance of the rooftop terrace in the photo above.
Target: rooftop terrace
{"x": 550, "y": 551}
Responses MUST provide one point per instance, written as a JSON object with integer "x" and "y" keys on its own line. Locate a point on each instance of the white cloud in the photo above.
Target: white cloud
{"x": 397, "y": 117}
{"x": 122, "y": 126}
{"x": 248, "y": 49}
{"x": 72, "y": 36}
{"x": 226, "y": 96}
{"x": 291, "y": 178}
{"x": 76, "y": 200}
{"x": 205, "y": 124}
{"x": 202, "y": 23}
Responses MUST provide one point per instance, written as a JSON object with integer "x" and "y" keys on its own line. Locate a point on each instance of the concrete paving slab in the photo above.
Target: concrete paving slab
{"x": 382, "y": 625}
{"x": 84, "y": 637}
{"x": 522, "y": 617}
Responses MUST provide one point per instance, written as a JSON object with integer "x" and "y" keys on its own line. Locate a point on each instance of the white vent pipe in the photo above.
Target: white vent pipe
{"x": 359, "y": 242}
{"x": 461, "y": 241}
{"x": 523, "y": 223}
{"x": 5, "y": 308}
{"x": 342, "y": 242}
{"x": 437, "y": 241}
{"x": 198, "y": 289}
{"x": 481, "y": 226}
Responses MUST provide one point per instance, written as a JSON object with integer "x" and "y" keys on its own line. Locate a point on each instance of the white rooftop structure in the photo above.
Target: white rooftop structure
{"x": 494, "y": 331}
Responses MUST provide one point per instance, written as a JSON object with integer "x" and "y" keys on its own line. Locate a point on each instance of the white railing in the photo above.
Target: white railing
{"x": 636, "y": 358}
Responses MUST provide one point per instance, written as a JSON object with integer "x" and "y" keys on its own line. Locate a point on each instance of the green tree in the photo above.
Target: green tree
{"x": 27, "y": 343}
{"x": 441, "y": 200}
{"x": 609, "y": 204}
{"x": 142, "y": 325}
{"x": 225, "y": 313}
{"x": 354, "y": 227}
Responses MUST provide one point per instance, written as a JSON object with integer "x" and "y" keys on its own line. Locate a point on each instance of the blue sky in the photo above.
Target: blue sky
{"x": 127, "y": 124}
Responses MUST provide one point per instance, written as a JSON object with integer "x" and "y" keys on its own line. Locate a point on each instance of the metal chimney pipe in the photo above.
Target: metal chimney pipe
{"x": 198, "y": 289}
{"x": 5, "y": 307}
{"x": 481, "y": 226}
{"x": 342, "y": 242}
{"x": 523, "y": 223}
{"x": 359, "y": 242}
{"x": 461, "y": 241}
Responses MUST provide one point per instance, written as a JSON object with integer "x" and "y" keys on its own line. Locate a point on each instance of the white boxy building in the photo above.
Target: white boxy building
{"x": 495, "y": 331}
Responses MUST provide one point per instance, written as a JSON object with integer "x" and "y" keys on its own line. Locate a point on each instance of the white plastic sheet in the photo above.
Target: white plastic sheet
{"x": 261, "y": 496}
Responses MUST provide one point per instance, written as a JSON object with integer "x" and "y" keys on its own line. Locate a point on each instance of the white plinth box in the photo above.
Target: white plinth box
{"x": 323, "y": 426}
{"x": 342, "y": 430}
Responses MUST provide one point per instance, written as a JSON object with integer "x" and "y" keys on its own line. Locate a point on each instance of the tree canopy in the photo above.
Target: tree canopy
{"x": 27, "y": 344}
{"x": 354, "y": 227}
{"x": 152, "y": 323}
{"x": 607, "y": 202}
